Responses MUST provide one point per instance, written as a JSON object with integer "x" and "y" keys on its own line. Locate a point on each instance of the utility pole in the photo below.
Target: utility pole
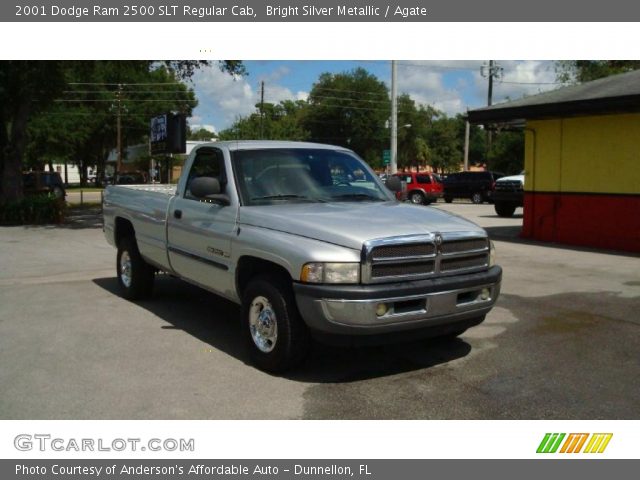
{"x": 492, "y": 71}
{"x": 118, "y": 131}
{"x": 466, "y": 144}
{"x": 262, "y": 110}
{"x": 394, "y": 119}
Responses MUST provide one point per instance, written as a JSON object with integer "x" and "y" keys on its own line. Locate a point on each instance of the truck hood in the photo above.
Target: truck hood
{"x": 512, "y": 178}
{"x": 350, "y": 224}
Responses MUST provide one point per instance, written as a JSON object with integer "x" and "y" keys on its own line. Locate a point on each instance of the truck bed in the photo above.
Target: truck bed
{"x": 146, "y": 207}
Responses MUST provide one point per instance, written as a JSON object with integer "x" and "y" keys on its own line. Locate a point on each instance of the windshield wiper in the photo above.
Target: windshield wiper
{"x": 357, "y": 196}
{"x": 288, "y": 196}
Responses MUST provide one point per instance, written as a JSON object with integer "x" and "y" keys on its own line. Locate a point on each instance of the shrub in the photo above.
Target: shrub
{"x": 33, "y": 210}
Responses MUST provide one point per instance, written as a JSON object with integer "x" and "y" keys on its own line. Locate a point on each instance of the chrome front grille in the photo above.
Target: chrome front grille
{"x": 381, "y": 270}
{"x": 423, "y": 256}
{"x": 509, "y": 186}
{"x": 463, "y": 263}
{"x": 461, "y": 246}
{"x": 399, "y": 251}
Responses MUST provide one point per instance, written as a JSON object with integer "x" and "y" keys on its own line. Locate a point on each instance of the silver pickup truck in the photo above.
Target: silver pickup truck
{"x": 309, "y": 242}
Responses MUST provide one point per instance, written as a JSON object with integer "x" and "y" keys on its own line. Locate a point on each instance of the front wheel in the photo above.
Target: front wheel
{"x": 416, "y": 198}
{"x": 276, "y": 336}
{"x": 504, "y": 209}
{"x": 135, "y": 276}
{"x": 448, "y": 199}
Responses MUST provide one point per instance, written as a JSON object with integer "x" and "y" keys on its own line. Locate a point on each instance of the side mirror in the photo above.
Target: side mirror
{"x": 208, "y": 188}
{"x": 394, "y": 183}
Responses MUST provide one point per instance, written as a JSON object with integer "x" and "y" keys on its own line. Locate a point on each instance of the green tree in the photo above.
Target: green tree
{"x": 26, "y": 88}
{"x": 445, "y": 144}
{"x": 81, "y": 129}
{"x": 414, "y": 123}
{"x": 282, "y": 121}
{"x": 507, "y": 152}
{"x": 202, "y": 134}
{"x": 350, "y": 109}
{"x": 581, "y": 71}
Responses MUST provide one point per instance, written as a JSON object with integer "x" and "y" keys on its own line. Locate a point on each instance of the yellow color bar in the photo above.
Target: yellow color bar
{"x": 598, "y": 442}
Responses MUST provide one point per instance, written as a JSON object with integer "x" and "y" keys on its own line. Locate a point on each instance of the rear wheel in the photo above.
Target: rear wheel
{"x": 448, "y": 199}
{"x": 135, "y": 276}
{"x": 477, "y": 198}
{"x": 276, "y": 336}
{"x": 504, "y": 209}
{"x": 417, "y": 198}
{"x": 58, "y": 192}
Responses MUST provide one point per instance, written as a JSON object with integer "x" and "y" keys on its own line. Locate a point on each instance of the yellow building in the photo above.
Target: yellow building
{"x": 582, "y": 161}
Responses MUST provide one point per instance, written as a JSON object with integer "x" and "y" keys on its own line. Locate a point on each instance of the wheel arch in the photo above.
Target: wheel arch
{"x": 123, "y": 228}
{"x": 249, "y": 267}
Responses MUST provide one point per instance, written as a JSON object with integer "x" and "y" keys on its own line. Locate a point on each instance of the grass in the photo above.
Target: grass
{"x": 84, "y": 189}
{"x": 83, "y": 206}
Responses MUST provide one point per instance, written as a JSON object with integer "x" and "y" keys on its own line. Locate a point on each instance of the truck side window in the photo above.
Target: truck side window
{"x": 208, "y": 163}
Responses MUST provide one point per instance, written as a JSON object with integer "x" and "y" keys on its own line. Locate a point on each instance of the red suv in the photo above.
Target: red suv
{"x": 422, "y": 188}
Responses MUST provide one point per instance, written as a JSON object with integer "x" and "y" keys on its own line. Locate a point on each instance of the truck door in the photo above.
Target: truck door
{"x": 199, "y": 232}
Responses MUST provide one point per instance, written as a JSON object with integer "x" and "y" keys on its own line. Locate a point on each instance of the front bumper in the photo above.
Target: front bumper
{"x": 510, "y": 197}
{"x": 351, "y": 309}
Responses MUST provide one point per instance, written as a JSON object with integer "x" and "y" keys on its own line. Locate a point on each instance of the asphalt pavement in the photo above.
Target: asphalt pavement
{"x": 562, "y": 343}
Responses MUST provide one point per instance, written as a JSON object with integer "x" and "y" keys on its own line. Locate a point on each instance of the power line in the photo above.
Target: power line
{"x": 123, "y": 84}
{"x": 102, "y": 100}
{"x": 533, "y": 83}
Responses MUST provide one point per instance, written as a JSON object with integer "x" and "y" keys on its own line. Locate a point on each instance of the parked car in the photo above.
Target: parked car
{"x": 275, "y": 227}
{"x": 477, "y": 186}
{"x": 43, "y": 182}
{"x": 422, "y": 188}
{"x": 509, "y": 195}
{"x": 133, "y": 178}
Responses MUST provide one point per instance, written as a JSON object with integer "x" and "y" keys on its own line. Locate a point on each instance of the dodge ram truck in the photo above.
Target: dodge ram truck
{"x": 309, "y": 242}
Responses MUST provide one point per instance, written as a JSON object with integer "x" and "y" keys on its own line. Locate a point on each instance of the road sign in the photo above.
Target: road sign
{"x": 386, "y": 157}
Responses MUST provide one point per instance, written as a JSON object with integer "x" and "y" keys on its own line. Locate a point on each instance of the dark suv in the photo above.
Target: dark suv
{"x": 43, "y": 182}
{"x": 477, "y": 186}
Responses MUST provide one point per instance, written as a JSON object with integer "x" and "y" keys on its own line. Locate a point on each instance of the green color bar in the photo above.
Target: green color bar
{"x": 558, "y": 442}
{"x": 543, "y": 443}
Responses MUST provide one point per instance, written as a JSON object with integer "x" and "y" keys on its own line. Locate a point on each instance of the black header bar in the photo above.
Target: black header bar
{"x": 319, "y": 11}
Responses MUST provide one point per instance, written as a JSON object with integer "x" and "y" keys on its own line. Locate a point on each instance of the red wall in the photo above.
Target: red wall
{"x": 591, "y": 220}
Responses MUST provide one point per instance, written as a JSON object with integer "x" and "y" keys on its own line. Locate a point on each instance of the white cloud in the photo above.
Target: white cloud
{"x": 425, "y": 83}
{"x": 454, "y": 86}
{"x": 518, "y": 79}
{"x": 223, "y": 98}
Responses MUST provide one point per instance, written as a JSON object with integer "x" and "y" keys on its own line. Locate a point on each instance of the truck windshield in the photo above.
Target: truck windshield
{"x": 272, "y": 176}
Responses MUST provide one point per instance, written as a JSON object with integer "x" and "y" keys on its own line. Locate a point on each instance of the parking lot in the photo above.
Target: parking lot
{"x": 562, "y": 343}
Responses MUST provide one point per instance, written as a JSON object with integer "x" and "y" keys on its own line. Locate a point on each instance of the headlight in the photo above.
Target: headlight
{"x": 330, "y": 273}
{"x": 492, "y": 254}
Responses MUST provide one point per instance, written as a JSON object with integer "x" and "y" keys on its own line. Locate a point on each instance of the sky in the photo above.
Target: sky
{"x": 450, "y": 86}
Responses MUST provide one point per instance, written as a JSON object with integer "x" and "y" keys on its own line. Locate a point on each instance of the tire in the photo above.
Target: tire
{"x": 448, "y": 199}
{"x": 58, "y": 192}
{"x": 477, "y": 198}
{"x": 504, "y": 209}
{"x": 135, "y": 276}
{"x": 417, "y": 198}
{"x": 276, "y": 337}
